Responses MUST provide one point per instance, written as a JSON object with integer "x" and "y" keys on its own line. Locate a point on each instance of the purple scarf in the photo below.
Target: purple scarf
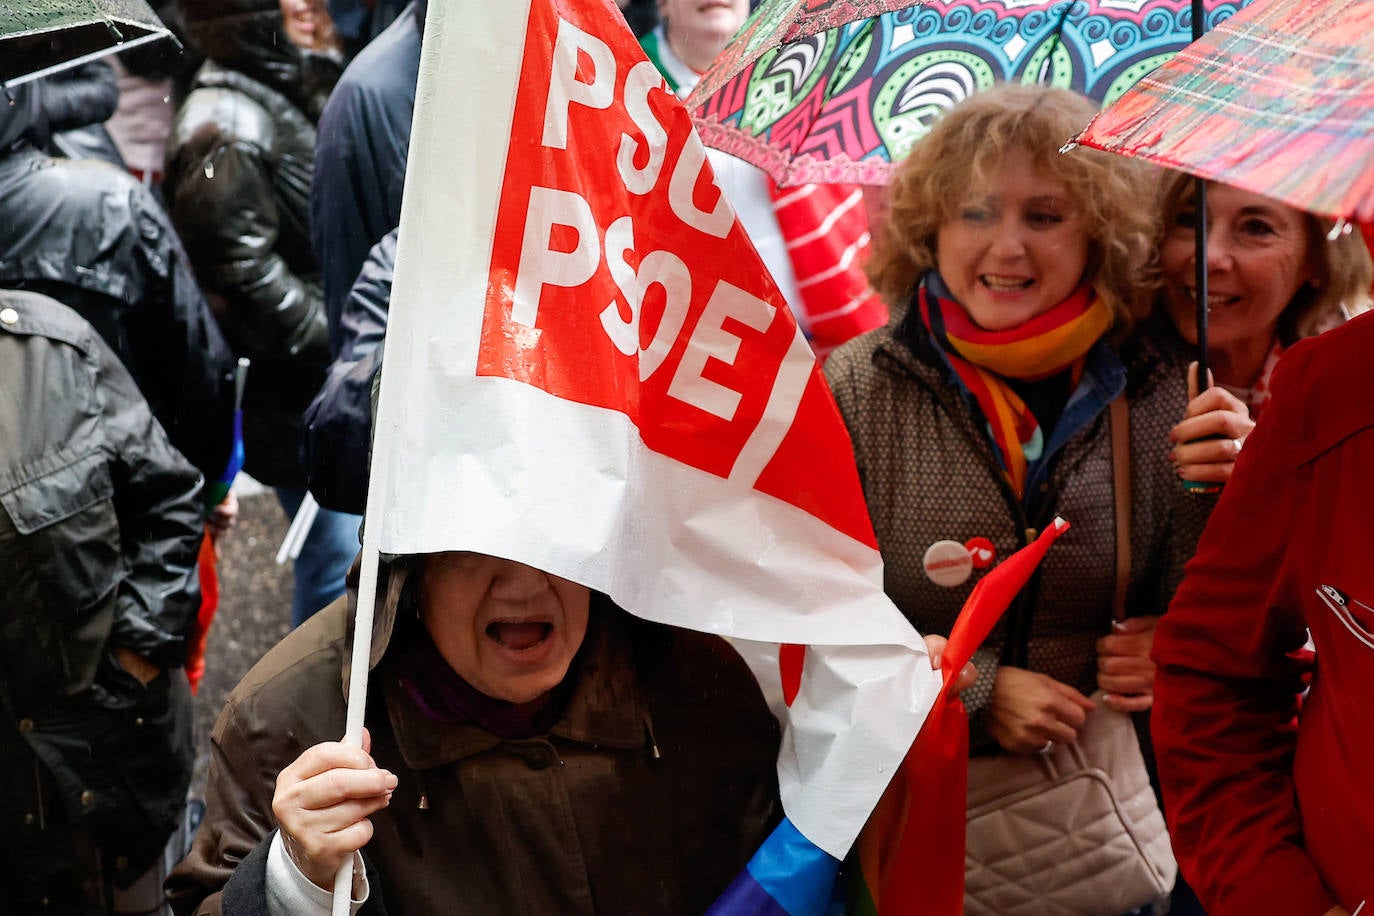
{"x": 444, "y": 696}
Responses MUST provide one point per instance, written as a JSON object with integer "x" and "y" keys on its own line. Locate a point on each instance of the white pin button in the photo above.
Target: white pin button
{"x": 948, "y": 563}
{"x": 9, "y": 316}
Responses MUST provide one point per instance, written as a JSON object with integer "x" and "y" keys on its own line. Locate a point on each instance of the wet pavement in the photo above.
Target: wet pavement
{"x": 254, "y": 611}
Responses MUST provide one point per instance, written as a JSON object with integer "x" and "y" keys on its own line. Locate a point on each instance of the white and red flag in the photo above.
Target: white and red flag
{"x": 588, "y": 369}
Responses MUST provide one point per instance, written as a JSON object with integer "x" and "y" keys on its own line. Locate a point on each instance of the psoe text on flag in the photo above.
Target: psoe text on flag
{"x": 640, "y": 264}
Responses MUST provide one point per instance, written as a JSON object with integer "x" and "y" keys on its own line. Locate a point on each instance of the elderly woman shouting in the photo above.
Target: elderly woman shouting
{"x": 983, "y": 412}
{"x": 533, "y": 749}
{"x": 1273, "y": 277}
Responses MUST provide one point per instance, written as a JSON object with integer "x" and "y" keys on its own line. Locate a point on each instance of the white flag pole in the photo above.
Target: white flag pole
{"x": 362, "y": 650}
{"x": 387, "y": 425}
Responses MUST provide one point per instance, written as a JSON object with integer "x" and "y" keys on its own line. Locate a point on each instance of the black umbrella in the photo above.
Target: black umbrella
{"x": 41, "y": 37}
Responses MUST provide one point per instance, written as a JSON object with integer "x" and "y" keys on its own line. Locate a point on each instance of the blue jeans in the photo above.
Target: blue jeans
{"x": 328, "y": 551}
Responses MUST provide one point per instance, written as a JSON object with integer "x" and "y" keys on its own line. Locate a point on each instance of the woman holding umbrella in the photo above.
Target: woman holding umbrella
{"x": 1270, "y": 810}
{"x": 983, "y": 411}
{"x": 1274, "y": 277}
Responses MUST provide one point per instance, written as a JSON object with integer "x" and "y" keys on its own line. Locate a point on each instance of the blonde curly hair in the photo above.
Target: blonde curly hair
{"x": 963, "y": 152}
{"x": 1344, "y": 271}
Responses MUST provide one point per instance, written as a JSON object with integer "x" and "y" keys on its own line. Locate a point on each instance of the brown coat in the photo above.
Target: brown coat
{"x": 648, "y": 796}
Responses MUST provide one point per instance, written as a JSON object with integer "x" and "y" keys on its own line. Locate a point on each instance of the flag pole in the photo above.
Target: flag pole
{"x": 386, "y": 424}
{"x": 362, "y": 642}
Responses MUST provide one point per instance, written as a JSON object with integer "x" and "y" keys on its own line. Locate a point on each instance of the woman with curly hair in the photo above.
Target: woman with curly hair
{"x": 983, "y": 410}
{"x": 1274, "y": 278}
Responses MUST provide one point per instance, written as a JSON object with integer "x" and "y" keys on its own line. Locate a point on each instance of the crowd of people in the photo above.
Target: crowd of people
{"x": 1014, "y": 344}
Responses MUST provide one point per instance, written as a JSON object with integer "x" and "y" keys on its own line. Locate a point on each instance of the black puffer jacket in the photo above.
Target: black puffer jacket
{"x": 92, "y": 237}
{"x": 99, "y": 531}
{"x": 239, "y": 169}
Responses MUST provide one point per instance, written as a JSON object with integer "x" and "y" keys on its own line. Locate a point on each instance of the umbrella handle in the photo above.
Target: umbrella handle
{"x": 1200, "y": 282}
{"x": 1199, "y": 16}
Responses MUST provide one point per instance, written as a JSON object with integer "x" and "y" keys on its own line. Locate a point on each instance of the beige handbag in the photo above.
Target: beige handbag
{"x": 1076, "y": 831}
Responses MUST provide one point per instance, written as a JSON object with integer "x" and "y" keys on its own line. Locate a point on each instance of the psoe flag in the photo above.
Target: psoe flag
{"x": 589, "y": 370}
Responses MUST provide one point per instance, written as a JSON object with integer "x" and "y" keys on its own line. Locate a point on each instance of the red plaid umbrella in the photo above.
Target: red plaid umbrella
{"x": 1278, "y": 99}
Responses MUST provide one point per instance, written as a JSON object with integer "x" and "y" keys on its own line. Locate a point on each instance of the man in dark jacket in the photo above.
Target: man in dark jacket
{"x": 360, "y": 162}
{"x": 359, "y": 22}
{"x": 360, "y": 165}
{"x": 337, "y": 434}
{"x": 99, "y": 530}
{"x": 239, "y": 171}
{"x": 91, "y": 236}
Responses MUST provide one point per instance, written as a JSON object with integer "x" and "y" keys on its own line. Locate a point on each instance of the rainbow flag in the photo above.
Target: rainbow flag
{"x": 909, "y": 858}
{"x": 218, "y": 489}
{"x": 788, "y": 876}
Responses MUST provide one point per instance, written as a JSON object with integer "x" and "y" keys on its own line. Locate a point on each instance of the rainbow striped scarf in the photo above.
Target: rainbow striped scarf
{"x": 1048, "y": 344}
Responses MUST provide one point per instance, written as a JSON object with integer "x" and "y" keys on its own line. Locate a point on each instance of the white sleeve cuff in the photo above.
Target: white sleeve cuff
{"x": 291, "y": 893}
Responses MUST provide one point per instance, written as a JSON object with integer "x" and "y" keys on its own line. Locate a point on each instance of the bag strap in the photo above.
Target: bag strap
{"x": 1120, "y": 415}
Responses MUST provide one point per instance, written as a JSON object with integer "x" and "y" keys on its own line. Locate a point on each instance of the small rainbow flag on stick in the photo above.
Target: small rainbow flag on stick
{"x": 911, "y": 852}
{"x": 217, "y": 491}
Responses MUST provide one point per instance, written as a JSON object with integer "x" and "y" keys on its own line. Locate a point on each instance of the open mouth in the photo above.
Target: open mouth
{"x": 1005, "y": 284}
{"x": 519, "y": 635}
{"x": 1214, "y": 300}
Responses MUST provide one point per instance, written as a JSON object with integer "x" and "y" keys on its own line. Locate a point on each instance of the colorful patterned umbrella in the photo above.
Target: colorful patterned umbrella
{"x": 39, "y": 37}
{"x": 837, "y": 90}
{"x": 1278, "y": 100}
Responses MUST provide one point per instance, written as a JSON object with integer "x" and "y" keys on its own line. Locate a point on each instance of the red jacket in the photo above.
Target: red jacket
{"x": 1269, "y": 815}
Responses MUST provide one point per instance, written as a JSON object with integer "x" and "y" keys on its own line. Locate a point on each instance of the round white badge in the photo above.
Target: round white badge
{"x": 948, "y": 563}
{"x": 9, "y": 316}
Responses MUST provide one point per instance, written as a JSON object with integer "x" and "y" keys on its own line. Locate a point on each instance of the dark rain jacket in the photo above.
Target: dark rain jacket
{"x": 929, "y": 474}
{"x": 337, "y": 428}
{"x": 360, "y": 161}
{"x": 99, "y": 530}
{"x": 79, "y": 96}
{"x": 77, "y": 102}
{"x": 237, "y": 182}
{"x": 360, "y": 22}
{"x": 649, "y": 795}
{"x": 92, "y": 237}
